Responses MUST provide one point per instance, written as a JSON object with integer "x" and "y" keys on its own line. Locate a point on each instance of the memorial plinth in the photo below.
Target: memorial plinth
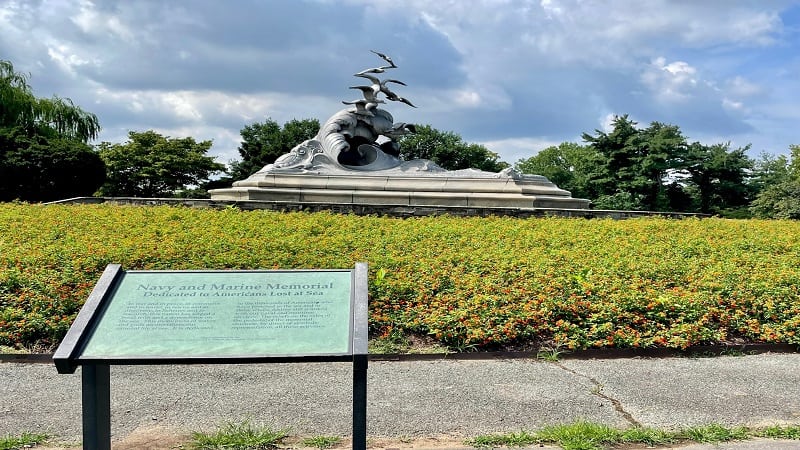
{"x": 465, "y": 188}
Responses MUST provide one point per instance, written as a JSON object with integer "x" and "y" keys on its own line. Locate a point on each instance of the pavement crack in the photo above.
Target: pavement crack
{"x": 597, "y": 391}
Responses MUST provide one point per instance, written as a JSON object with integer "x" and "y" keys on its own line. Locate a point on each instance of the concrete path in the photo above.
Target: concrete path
{"x": 414, "y": 399}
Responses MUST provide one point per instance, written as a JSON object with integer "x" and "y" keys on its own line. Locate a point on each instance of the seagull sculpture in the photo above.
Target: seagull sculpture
{"x": 371, "y": 100}
{"x": 369, "y": 93}
{"x": 385, "y": 58}
{"x": 380, "y": 69}
{"x": 363, "y": 107}
{"x": 381, "y": 85}
{"x": 400, "y": 99}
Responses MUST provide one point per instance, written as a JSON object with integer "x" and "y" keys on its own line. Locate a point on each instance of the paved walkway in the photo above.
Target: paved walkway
{"x": 413, "y": 399}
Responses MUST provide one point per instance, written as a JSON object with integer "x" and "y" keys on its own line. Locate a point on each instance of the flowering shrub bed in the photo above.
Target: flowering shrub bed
{"x": 469, "y": 282}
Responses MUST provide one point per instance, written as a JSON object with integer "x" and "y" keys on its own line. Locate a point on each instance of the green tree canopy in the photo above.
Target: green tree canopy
{"x": 43, "y": 144}
{"x": 151, "y": 165}
{"x": 651, "y": 168}
{"x": 719, "y": 175}
{"x": 569, "y": 165}
{"x": 769, "y": 170}
{"x": 45, "y": 168}
{"x": 263, "y": 143}
{"x": 20, "y": 108}
{"x": 636, "y": 161}
{"x": 781, "y": 198}
{"x": 448, "y": 150}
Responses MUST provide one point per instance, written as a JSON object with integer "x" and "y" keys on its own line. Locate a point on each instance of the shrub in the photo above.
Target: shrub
{"x": 469, "y": 282}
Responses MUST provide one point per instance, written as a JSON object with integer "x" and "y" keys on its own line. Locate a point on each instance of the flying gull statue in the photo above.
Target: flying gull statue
{"x": 378, "y": 86}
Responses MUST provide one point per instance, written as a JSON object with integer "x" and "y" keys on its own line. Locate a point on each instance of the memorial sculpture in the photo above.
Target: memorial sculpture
{"x": 354, "y": 159}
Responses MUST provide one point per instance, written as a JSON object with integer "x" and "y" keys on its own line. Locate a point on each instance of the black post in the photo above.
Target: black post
{"x": 360, "y": 349}
{"x": 360, "y": 402}
{"x": 96, "y": 392}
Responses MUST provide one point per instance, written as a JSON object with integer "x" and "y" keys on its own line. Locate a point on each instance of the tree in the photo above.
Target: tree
{"x": 151, "y": 165}
{"x": 614, "y": 173}
{"x": 569, "y": 166}
{"x": 782, "y": 199}
{"x": 20, "y": 108}
{"x": 636, "y": 161}
{"x": 448, "y": 150}
{"x": 43, "y": 144}
{"x": 263, "y": 143}
{"x": 769, "y": 170}
{"x": 660, "y": 149}
{"x": 46, "y": 168}
{"x": 719, "y": 175}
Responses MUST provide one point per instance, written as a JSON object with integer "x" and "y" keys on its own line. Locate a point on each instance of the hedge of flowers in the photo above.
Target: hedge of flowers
{"x": 480, "y": 283}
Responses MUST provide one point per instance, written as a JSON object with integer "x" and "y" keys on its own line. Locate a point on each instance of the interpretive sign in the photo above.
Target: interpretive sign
{"x": 189, "y": 317}
{"x": 168, "y": 314}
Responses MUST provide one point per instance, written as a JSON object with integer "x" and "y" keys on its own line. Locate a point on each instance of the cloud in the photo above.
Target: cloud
{"x": 66, "y": 58}
{"x": 675, "y": 82}
{"x": 95, "y": 22}
{"x": 513, "y": 150}
{"x": 740, "y": 87}
{"x": 513, "y": 72}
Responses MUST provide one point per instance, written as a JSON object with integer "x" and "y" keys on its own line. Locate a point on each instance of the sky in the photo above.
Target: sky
{"x": 514, "y": 75}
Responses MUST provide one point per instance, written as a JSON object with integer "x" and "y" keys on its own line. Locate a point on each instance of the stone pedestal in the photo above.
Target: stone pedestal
{"x": 464, "y": 188}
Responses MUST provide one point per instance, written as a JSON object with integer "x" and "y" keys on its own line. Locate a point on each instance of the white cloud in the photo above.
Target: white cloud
{"x": 206, "y": 114}
{"x": 673, "y": 82}
{"x": 607, "y": 122}
{"x": 550, "y": 7}
{"x": 741, "y": 87}
{"x": 7, "y": 12}
{"x": 66, "y": 58}
{"x": 191, "y": 105}
{"x": 93, "y": 22}
{"x": 486, "y": 97}
{"x": 183, "y": 105}
{"x": 732, "y": 105}
{"x": 467, "y": 98}
{"x": 733, "y": 26}
{"x": 510, "y": 68}
{"x": 512, "y": 150}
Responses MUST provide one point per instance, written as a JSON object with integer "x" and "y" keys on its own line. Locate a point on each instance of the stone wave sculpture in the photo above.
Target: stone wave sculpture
{"x": 354, "y": 159}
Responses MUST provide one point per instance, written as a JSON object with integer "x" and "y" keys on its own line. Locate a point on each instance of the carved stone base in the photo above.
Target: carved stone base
{"x": 459, "y": 188}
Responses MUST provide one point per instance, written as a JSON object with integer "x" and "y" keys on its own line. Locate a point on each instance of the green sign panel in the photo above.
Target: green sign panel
{"x": 225, "y": 314}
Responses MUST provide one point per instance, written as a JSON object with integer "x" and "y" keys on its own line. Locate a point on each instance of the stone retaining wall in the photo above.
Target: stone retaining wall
{"x": 379, "y": 210}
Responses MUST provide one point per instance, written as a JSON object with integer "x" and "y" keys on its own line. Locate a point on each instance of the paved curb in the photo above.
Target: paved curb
{"x": 593, "y": 353}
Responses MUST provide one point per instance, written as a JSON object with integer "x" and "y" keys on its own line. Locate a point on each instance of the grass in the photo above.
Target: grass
{"x": 519, "y": 439}
{"x": 391, "y": 344}
{"x": 580, "y": 435}
{"x": 398, "y": 343}
{"x": 7, "y": 350}
{"x": 583, "y": 435}
{"x": 550, "y": 353}
{"x": 647, "y": 436}
{"x": 239, "y": 436}
{"x": 25, "y": 440}
{"x": 731, "y": 352}
{"x": 715, "y": 433}
{"x": 321, "y": 441}
{"x": 778, "y": 432}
